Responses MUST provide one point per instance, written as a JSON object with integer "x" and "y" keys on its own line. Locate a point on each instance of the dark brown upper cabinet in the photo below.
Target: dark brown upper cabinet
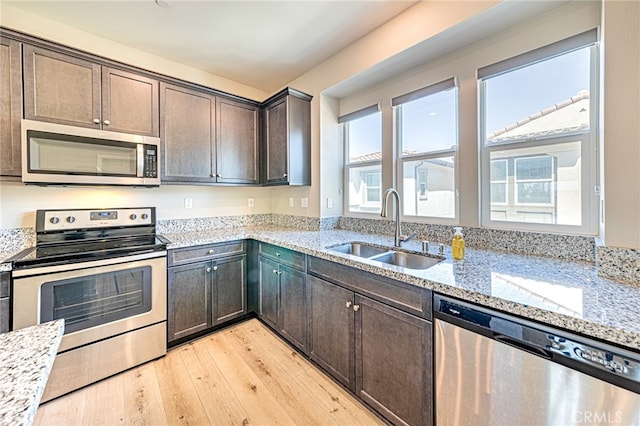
{"x": 207, "y": 139}
{"x": 187, "y": 135}
{"x": 10, "y": 107}
{"x": 287, "y": 139}
{"x": 70, "y": 90}
{"x": 237, "y": 130}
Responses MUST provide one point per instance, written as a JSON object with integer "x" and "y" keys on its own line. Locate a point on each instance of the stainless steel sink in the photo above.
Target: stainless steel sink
{"x": 407, "y": 260}
{"x": 388, "y": 255}
{"x": 359, "y": 249}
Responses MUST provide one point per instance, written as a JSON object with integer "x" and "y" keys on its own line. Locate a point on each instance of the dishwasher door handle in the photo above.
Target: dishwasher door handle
{"x": 527, "y": 347}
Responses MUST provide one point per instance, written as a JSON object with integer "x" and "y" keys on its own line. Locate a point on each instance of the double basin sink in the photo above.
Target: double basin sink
{"x": 388, "y": 255}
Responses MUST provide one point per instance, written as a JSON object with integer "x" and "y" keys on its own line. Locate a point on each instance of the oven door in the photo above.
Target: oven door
{"x": 98, "y": 299}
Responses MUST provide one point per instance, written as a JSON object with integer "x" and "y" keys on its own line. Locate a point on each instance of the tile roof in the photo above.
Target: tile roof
{"x": 570, "y": 115}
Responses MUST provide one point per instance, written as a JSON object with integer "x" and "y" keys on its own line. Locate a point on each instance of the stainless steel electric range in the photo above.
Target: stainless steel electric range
{"x": 104, "y": 272}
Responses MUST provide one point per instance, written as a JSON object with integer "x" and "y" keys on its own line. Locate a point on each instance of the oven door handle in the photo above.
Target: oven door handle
{"x": 17, "y": 273}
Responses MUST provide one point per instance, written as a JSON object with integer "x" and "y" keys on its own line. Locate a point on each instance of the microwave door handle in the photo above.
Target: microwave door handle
{"x": 140, "y": 160}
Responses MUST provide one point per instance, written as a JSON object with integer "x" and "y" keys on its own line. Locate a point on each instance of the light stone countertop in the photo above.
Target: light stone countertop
{"x": 26, "y": 358}
{"x": 559, "y": 293}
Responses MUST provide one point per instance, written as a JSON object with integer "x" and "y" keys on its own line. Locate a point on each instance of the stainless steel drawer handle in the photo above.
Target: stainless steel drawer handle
{"x": 348, "y": 304}
{"x": 356, "y": 308}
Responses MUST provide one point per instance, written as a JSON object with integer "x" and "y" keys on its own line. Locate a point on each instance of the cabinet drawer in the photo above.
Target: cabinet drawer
{"x": 185, "y": 255}
{"x": 408, "y": 298}
{"x": 283, "y": 255}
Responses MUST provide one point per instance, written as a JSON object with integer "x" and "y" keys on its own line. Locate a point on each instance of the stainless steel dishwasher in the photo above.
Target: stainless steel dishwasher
{"x": 496, "y": 369}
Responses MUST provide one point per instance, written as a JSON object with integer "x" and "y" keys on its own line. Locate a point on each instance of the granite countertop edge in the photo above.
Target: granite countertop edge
{"x": 26, "y": 359}
{"x": 445, "y": 278}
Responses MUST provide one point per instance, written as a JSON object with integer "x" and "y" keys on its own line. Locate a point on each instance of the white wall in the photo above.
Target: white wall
{"x": 621, "y": 142}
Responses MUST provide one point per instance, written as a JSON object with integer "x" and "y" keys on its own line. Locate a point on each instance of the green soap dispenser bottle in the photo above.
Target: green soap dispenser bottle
{"x": 457, "y": 245}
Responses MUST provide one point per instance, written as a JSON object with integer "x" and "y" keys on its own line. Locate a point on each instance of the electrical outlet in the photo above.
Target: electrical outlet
{"x": 290, "y": 201}
{"x": 250, "y": 202}
{"x": 188, "y": 203}
{"x": 329, "y": 202}
{"x": 304, "y": 202}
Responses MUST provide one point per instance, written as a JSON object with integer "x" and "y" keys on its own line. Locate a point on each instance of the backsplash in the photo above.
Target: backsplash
{"x": 16, "y": 239}
{"x": 619, "y": 264}
{"x": 219, "y": 222}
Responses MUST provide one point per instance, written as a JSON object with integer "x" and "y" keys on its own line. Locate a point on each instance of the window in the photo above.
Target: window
{"x": 427, "y": 134}
{"x": 362, "y": 132}
{"x": 538, "y": 165}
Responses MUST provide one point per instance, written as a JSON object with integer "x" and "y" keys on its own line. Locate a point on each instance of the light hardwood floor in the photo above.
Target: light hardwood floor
{"x": 241, "y": 375}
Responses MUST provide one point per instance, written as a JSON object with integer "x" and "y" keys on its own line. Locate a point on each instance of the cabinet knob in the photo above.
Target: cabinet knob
{"x": 208, "y": 269}
{"x": 211, "y": 251}
{"x": 106, "y": 122}
{"x": 96, "y": 121}
{"x": 356, "y": 308}
{"x": 277, "y": 253}
{"x": 275, "y": 271}
{"x": 218, "y": 175}
{"x": 215, "y": 268}
{"x": 284, "y": 175}
{"x": 348, "y": 304}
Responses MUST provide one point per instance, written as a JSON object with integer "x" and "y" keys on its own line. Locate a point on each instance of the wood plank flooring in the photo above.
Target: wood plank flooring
{"x": 242, "y": 375}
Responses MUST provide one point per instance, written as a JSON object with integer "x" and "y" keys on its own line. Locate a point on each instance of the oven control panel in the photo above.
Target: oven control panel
{"x": 58, "y": 220}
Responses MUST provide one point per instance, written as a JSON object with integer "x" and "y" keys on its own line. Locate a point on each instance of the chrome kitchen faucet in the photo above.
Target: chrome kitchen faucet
{"x": 398, "y": 238}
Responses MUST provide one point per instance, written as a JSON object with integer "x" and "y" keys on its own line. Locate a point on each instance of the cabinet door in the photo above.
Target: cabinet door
{"x": 5, "y": 318}
{"x": 187, "y": 134}
{"x": 189, "y": 299}
{"x": 10, "y": 107}
{"x": 61, "y": 88}
{"x": 269, "y": 291}
{"x": 276, "y": 135}
{"x": 293, "y": 307}
{"x": 237, "y": 141}
{"x": 393, "y": 362}
{"x": 331, "y": 329}
{"x": 229, "y": 299}
{"x": 130, "y": 103}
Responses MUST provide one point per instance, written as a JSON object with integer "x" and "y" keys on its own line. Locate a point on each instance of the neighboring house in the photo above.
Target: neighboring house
{"x": 525, "y": 183}
{"x": 427, "y": 186}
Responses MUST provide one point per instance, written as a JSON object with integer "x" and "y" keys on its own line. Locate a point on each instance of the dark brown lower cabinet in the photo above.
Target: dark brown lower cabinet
{"x": 205, "y": 294}
{"x": 282, "y": 300}
{"x": 380, "y": 353}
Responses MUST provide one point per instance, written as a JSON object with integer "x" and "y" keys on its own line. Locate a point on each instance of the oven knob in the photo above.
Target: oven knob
{"x": 71, "y": 219}
{"x": 145, "y": 216}
{"x": 133, "y": 216}
{"x": 54, "y": 220}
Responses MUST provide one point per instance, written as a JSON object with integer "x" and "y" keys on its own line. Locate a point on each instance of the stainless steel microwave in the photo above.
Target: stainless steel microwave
{"x": 55, "y": 154}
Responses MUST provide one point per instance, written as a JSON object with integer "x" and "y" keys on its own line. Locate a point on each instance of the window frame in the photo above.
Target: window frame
{"x": 590, "y": 192}
{"x": 348, "y": 166}
{"x": 400, "y": 160}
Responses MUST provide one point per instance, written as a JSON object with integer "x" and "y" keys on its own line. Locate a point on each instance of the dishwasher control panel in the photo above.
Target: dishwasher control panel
{"x": 596, "y": 357}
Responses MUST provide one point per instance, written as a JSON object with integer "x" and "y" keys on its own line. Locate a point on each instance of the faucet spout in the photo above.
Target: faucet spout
{"x": 398, "y": 238}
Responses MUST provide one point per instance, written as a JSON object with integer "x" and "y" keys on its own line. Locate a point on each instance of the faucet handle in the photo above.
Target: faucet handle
{"x": 404, "y": 238}
{"x": 425, "y": 247}
{"x": 441, "y": 249}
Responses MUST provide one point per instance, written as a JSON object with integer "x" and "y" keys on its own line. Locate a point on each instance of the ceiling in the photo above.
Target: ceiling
{"x": 262, "y": 44}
